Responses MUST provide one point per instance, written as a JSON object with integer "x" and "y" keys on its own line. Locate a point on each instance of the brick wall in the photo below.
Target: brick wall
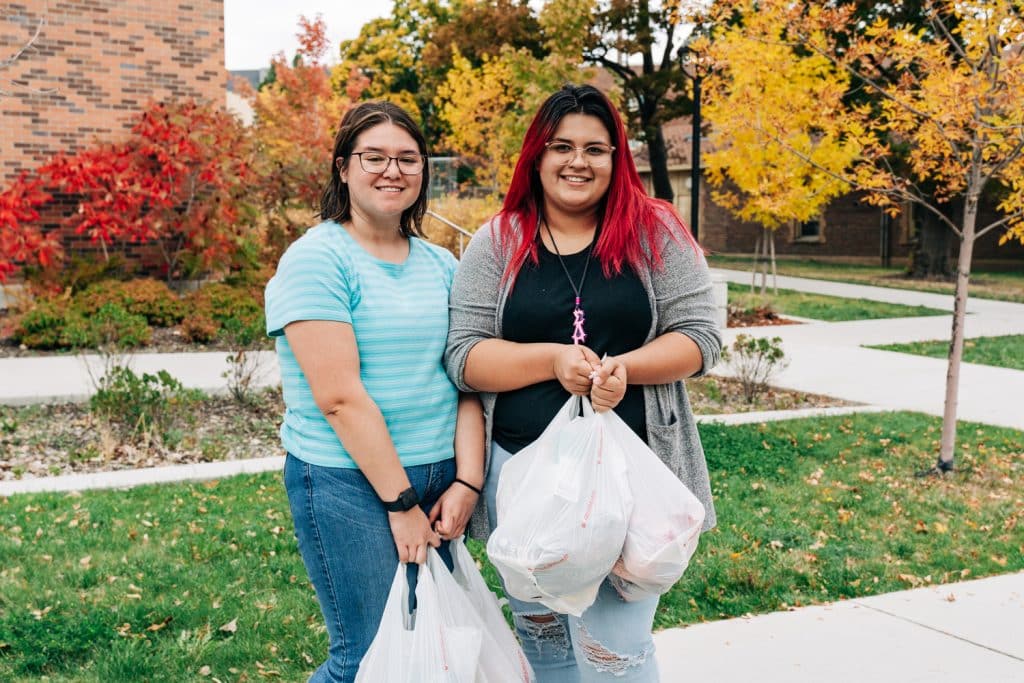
{"x": 851, "y": 230}
{"x": 100, "y": 61}
{"x": 94, "y": 65}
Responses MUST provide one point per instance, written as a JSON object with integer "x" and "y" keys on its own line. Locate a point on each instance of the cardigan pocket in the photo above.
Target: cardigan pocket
{"x": 665, "y": 439}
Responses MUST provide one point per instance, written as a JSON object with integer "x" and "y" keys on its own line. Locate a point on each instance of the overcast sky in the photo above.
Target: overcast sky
{"x": 256, "y": 30}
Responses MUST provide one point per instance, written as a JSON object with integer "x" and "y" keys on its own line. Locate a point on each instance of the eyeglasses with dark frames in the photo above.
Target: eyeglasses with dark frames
{"x": 596, "y": 154}
{"x": 378, "y": 162}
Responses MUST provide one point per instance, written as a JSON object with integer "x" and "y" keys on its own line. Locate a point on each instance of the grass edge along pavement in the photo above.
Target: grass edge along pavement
{"x": 997, "y": 285}
{"x": 164, "y": 581}
{"x": 1004, "y": 351}
{"x": 823, "y": 307}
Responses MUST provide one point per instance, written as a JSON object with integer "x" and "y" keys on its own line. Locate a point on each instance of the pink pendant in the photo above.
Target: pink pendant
{"x": 578, "y": 334}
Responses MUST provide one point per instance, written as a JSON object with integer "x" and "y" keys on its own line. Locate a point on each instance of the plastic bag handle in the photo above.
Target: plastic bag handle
{"x": 588, "y": 410}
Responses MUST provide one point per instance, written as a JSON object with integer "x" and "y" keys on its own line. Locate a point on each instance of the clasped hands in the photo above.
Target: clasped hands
{"x": 582, "y": 373}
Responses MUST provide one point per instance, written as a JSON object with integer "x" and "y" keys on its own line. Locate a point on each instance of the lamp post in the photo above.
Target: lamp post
{"x": 690, "y": 57}
{"x": 695, "y": 159}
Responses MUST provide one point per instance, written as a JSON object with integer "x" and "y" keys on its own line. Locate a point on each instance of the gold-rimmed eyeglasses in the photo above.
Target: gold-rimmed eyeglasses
{"x": 596, "y": 155}
{"x": 378, "y": 162}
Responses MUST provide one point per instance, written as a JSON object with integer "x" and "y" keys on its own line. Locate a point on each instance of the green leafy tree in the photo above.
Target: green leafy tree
{"x": 644, "y": 45}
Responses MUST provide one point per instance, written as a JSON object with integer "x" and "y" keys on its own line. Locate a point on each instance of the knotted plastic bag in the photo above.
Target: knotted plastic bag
{"x": 665, "y": 524}
{"x": 563, "y": 506}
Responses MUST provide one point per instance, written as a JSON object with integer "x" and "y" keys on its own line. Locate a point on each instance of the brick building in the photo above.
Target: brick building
{"x": 96, "y": 62}
{"x": 848, "y": 230}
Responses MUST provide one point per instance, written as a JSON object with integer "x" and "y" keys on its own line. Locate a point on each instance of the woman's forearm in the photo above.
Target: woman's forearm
{"x": 469, "y": 440}
{"x": 360, "y": 426}
{"x": 671, "y": 357}
{"x": 496, "y": 365}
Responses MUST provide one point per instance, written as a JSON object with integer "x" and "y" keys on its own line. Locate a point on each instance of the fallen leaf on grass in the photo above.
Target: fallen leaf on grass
{"x": 229, "y": 627}
{"x": 204, "y": 670}
{"x": 159, "y": 625}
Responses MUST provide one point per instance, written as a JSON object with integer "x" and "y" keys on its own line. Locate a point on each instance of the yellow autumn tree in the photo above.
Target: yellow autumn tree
{"x": 945, "y": 113}
{"x": 473, "y": 103}
{"x": 487, "y": 109}
{"x": 761, "y": 101}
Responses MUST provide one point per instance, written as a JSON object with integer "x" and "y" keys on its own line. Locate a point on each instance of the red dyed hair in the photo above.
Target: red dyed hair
{"x": 631, "y": 221}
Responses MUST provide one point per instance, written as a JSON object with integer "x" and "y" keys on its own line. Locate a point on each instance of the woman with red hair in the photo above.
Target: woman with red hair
{"x": 583, "y": 284}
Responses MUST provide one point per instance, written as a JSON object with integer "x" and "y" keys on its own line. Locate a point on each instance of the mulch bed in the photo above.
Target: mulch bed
{"x": 164, "y": 340}
{"x": 56, "y": 439}
{"x": 756, "y": 317}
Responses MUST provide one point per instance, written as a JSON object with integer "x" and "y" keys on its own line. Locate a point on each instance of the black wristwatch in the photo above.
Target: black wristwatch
{"x": 407, "y": 500}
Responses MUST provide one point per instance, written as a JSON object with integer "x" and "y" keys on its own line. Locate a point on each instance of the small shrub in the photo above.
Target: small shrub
{"x": 754, "y": 360}
{"x": 41, "y": 326}
{"x": 244, "y": 337}
{"x": 147, "y": 405}
{"x": 212, "y": 306}
{"x": 199, "y": 328}
{"x": 146, "y": 297}
{"x": 112, "y": 325}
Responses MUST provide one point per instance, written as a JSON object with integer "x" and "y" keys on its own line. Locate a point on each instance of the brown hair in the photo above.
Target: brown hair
{"x": 335, "y": 204}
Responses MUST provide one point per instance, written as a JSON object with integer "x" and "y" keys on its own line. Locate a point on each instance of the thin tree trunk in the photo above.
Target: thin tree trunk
{"x": 956, "y": 346}
{"x": 765, "y": 236}
{"x": 753, "y": 271}
{"x": 658, "y": 155}
{"x": 930, "y": 257}
{"x": 775, "y": 273}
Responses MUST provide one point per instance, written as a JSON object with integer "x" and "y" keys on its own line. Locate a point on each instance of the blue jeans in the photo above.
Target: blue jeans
{"x": 611, "y": 641}
{"x": 346, "y": 544}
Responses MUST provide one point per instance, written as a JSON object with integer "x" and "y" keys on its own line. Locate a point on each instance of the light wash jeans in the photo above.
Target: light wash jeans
{"x": 611, "y": 641}
{"x": 346, "y": 544}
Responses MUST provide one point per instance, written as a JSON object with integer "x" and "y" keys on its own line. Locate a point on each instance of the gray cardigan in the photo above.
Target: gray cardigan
{"x": 680, "y": 298}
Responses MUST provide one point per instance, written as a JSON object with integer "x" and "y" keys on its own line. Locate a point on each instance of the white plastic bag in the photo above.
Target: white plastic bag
{"x": 563, "y": 507}
{"x": 466, "y": 601}
{"x": 423, "y": 647}
{"x": 665, "y": 525}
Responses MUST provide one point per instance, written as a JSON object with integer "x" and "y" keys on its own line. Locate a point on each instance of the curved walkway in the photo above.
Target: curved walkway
{"x": 830, "y": 358}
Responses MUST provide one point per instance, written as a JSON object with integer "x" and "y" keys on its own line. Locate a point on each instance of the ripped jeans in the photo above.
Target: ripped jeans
{"x": 611, "y": 641}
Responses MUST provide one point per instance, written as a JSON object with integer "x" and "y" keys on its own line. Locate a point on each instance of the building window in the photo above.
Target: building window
{"x": 812, "y": 231}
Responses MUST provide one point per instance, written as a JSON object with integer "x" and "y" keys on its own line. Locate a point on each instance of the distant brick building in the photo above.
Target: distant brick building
{"x": 97, "y": 62}
{"x": 94, "y": 64}
{"x": 849, "y": 229}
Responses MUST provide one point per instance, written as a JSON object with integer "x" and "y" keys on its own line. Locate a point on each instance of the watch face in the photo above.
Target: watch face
{"x": 408, "y": 499}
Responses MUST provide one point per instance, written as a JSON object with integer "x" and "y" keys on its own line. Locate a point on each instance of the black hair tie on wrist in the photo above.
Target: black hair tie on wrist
{"x": 469, "y": 486}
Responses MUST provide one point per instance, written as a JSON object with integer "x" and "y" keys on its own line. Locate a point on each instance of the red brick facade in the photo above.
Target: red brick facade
{"x": 95, "y": 63}
{"x": 849, "y": 229}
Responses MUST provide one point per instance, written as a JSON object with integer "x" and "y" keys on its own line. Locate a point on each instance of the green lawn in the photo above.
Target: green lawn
{"x": 158, "y": 583}
{"x": 984, "y": 284}
{"x": 822, "y": 307}
{"x": 1004, "y": 352}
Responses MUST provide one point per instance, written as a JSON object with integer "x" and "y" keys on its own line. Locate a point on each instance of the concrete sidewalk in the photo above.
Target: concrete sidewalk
{"x": 954, "y": 633}
{"x": 830, "y": 358}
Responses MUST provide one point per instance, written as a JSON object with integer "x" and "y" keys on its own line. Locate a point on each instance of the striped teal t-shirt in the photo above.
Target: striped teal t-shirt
{"x": 399, "y": 314}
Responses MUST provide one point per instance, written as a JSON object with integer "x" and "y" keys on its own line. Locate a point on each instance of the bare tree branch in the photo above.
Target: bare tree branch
{"x": 937, "y": 23}
{"x": 1002, "y": 221}
{"x": 899, "y": 192}
{"x": 30, "y": 44}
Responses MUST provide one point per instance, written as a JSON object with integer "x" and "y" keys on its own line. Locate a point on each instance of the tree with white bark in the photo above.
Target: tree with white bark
{"x": 945, "y": 126}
